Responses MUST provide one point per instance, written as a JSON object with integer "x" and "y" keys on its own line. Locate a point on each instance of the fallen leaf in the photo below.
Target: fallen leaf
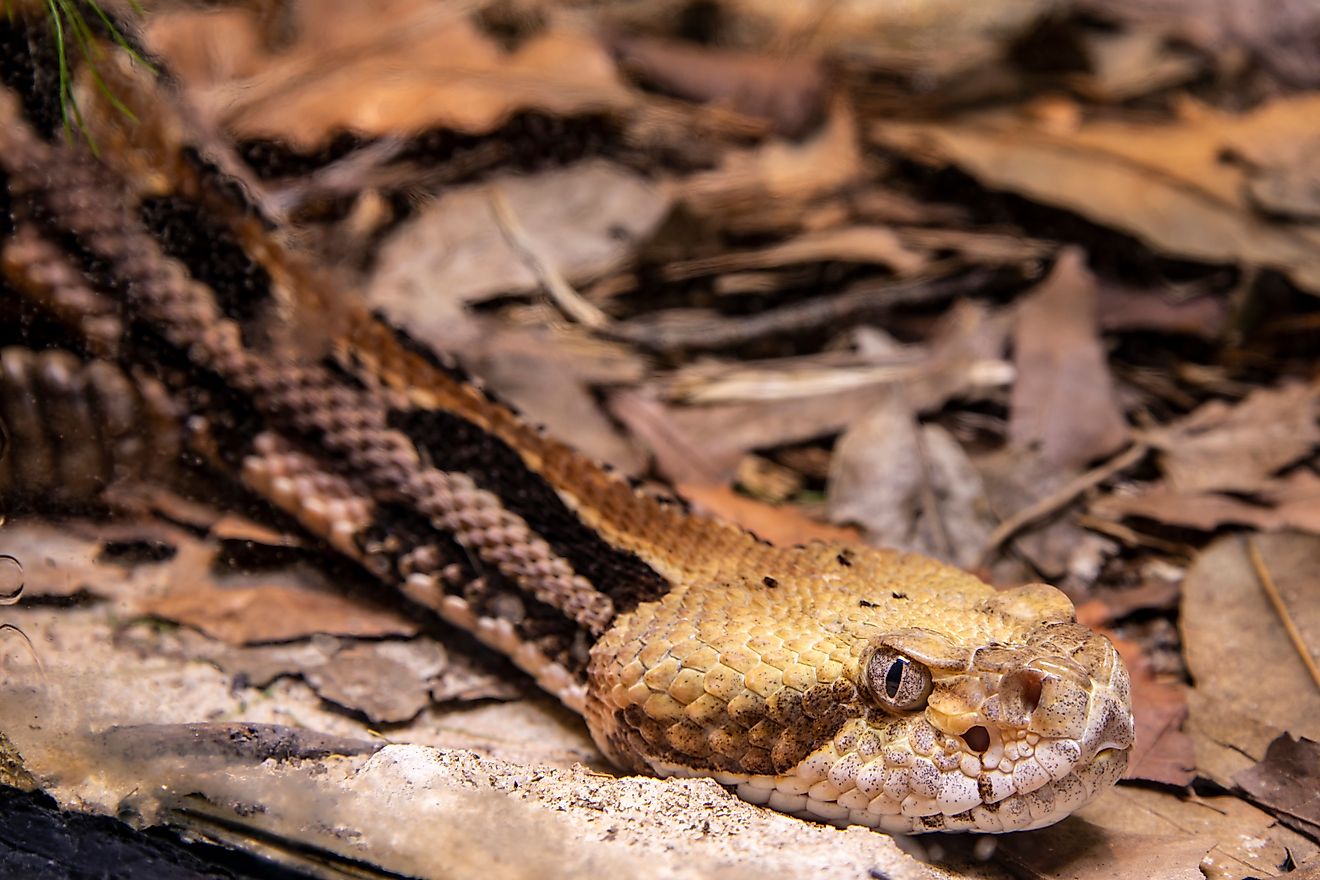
{"x": 1280, "y": 35}
{"x": 1236, "y": 447}
{"x": 782, "y": 526}
{"x": 1063, "y": 402}
{"x": 929, "y": 39}
{"x": 1155, "y": 594}
{"x": 1287, "y": 782}
{"x": 1249, "y": 842}
{"x": 1162, "y": 752}
{"x": 1227, "y": 740}
{"x": 387, "y": 69}
{"x": 1128, "y": 63}
{"x": 1076, "y": 850}
{"x": 768, "y": 187}
{"x": 1123, "y": 308}
{"x": 1249, "y": 680}
{"x": 1174, "y": 185}
{"x": 933, "y": 504}
{"x": 273, "y": 612}
{"x": 790, "y": 92}
{"x": 1289, "y": 503}
{"x": 590, "y": 217}
{"x": 389, "y": 682}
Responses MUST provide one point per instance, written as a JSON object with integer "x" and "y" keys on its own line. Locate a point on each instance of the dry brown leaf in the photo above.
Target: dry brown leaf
{"x": 703, "y": 444}
{"x": 1251, "y": 685}
{"x": 1280, "y": 34}
{"x": 1154, "y": 594}
{"x": 1249, "y": 843}
{"x": 1287, "y": 782}
{"x": 782, "y": 526}
{"x": 1171, "y": 184}
{"x": 589, "y": 218}
{"x": 790, "y": 92}
{"x": 389, "y": 682}
{"x": 1077, "y": 850}
{"x": 1289, "y": 503}
{"x": 1236, "y": 447}
{"x": 932, "y": 37}
{"x": 1063, "y": 403}
{"x": 768, "y": 188}
{"x": 1124, "y": 308}
{"x": 1162, "y": 752}
{"x": 273, "y": 612}
{"x": 931, "y": 503}
{"x": 380, "y": 69}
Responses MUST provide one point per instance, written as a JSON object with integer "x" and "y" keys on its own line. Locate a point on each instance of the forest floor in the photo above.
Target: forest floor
{"x": 1030, "y": 287}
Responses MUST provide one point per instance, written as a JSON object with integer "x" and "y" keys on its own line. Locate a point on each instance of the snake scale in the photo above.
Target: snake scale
{"x": 853, "y": 685}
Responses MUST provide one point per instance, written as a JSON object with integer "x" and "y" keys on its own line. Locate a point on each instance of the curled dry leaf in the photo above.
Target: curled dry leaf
{"x": 1292, "y": 502}
{"x": 788, "y": 91}
{"x": 389, "y": 682}
{"x": 1174, "y": 185}
{"x": 1287, "y": 782}
{"x": 1280, "y": 35}
{"x": 379, "y": 69}
{"x": 1075, "y": 850}
{"x": 1236, "y": 447}
{"x": 590, "y": 217}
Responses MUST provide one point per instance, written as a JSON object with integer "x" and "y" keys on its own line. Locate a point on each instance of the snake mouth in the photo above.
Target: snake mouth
{"x": 988, "y": 811}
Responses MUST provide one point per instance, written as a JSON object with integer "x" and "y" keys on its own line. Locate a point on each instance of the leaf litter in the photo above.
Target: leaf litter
{"x": 1031, "y": 289}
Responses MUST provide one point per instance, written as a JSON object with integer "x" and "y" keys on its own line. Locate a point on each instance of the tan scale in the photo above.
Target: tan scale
{"x": 846, "y": 684}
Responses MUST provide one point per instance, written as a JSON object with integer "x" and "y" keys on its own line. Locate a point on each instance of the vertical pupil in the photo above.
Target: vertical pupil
{"x": 894, "y": 677}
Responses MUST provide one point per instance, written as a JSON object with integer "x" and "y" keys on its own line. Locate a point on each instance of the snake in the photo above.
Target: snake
{"x": 842, "y": 683}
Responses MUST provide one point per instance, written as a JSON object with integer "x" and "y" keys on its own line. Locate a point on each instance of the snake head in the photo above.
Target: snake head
{"x": 890, "y": 691}
{"x": 1013, "y": 733}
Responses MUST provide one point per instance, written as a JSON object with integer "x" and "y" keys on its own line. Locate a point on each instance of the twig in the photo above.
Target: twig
{"x": 1276, "y": 599}
{"x": 855, "y": 304}
{"x": 569, "y": 301}
{"x": 1059, "y": 499}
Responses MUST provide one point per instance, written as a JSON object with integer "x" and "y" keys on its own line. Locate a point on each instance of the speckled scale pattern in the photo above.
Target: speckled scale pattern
{"x": 737, "y": 660}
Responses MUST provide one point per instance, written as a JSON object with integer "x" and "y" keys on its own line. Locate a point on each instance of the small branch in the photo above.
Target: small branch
{"x": 1276, "y": 599}
{"x": 569, "y": 301}
{"x": 856, "y": 304}
{"x": 1059, "y": 499}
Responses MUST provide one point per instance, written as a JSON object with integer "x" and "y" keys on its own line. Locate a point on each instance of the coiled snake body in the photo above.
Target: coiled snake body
{"x": 844, "y": 683}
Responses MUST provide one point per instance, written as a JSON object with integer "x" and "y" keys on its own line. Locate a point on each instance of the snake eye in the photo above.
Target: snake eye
{"x": 898, "y": 683}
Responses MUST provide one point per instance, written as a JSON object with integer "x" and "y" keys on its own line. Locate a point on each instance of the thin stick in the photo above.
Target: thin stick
{"x": 1059, "y": 499}
{"x": 1276, "y": 599}
{"x": 569, "y": 301}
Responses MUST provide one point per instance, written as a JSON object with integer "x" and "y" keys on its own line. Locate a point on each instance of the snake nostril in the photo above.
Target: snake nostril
{"x": 977, "y": 738}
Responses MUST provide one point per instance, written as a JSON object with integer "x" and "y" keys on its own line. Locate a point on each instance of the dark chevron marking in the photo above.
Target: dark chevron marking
{"x": 455, "y": 444}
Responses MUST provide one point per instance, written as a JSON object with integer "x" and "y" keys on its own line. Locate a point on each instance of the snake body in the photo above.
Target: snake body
{"x": 853, "y": 685}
